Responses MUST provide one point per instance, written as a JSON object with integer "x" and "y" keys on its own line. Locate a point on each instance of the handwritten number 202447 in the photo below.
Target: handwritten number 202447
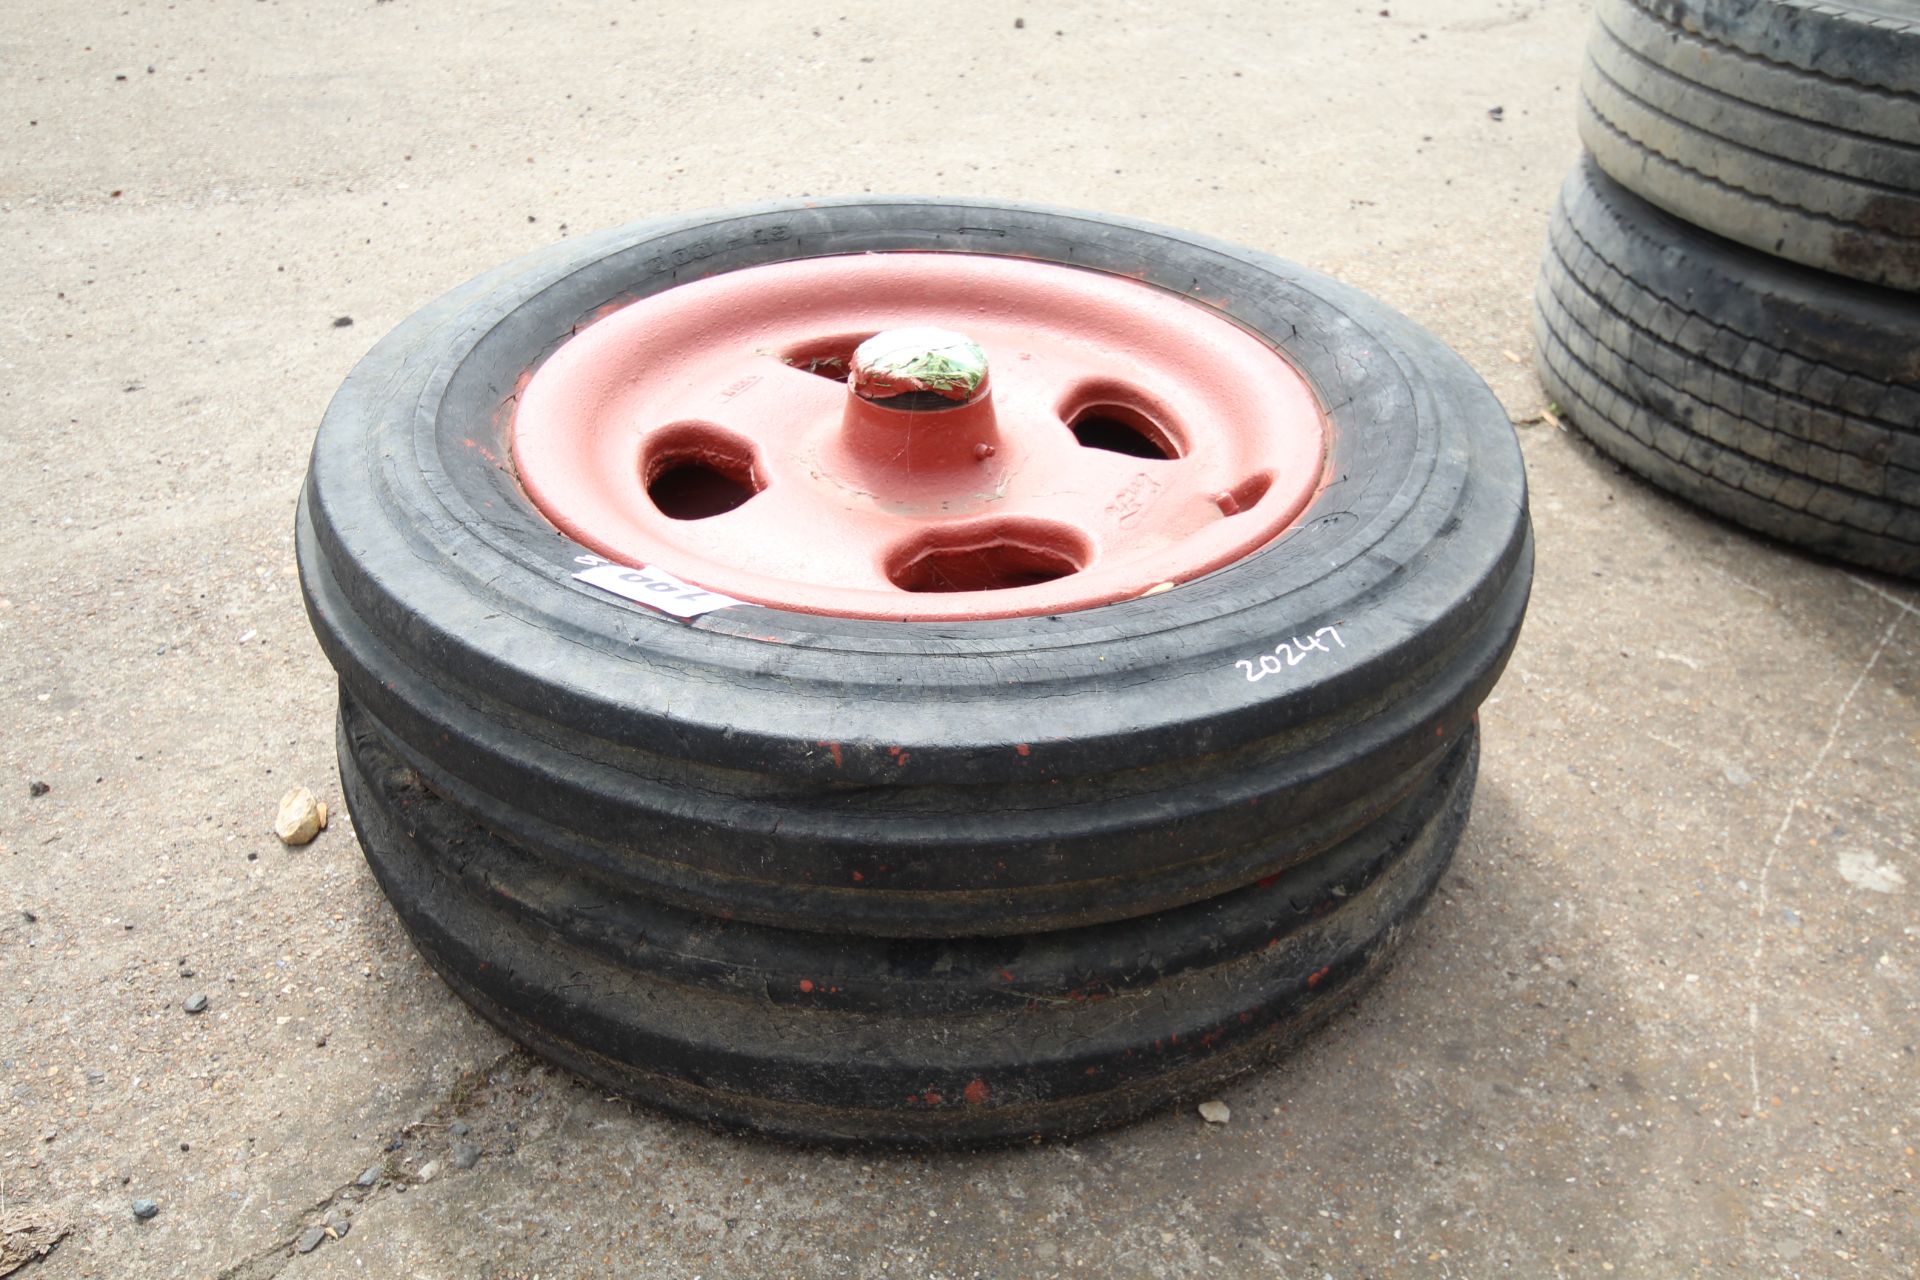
{"x": 1288, "y": 653}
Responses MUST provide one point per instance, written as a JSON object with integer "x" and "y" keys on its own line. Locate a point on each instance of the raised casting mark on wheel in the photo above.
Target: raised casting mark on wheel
{"x": 655, "y": 588}
{"x": 1294, "y": 651}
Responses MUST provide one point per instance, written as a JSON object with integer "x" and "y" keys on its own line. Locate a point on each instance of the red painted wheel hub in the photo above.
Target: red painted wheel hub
{"x": 1125, "y": 439}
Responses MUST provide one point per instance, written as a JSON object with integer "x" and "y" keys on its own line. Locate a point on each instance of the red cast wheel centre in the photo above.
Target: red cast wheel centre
{"x": 1117, "y": 439}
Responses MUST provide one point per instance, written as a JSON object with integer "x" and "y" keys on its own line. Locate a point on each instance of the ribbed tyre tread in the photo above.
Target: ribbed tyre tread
{"x": 1808, "y": 165}
{"x": 1874, "y": 43}
{"x": 1782, "y": 400}
{"x": 851, "y": 879}
{"x": 842, "y": 1039}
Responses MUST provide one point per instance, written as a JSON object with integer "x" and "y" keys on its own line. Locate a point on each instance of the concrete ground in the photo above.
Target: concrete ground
{"x": 1660, "y": 1020}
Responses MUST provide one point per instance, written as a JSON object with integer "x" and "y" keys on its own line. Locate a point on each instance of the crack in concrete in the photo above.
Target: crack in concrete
{"x": 1795, "y": 802}
{"x": 1888, "y": 596}
{"x": 270, "y": 1260}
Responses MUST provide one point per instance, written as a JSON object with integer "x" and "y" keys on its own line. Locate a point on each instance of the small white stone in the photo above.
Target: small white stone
{"x": 1214, "y": 1111}
{"x": 300, "y": 818}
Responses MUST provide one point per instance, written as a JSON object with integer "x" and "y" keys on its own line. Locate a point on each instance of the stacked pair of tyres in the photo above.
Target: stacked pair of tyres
{"x": 1728, "y": 301}
{"x": 916, "y": 860}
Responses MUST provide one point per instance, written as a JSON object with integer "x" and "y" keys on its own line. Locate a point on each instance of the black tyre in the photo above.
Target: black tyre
{"x": 846, "y": 1039}
{"x": 1869, "y": 42}
{"x": 1739, "y": 118}
{"x": 1778, "y": 397}
{"x": 834, "y": 795}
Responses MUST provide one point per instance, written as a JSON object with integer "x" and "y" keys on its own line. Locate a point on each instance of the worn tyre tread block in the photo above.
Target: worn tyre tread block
{"x": 1837, "y": 129}
{"x": 1646, "y": 330}
{"x": 1141, "y": 1013}
{"x": 1794, "y": 163}
{"x": 1712, "y": 402}
{"x": 1715, "y": 325}
{"x": 1776, "y": 91}
{"x": 1751, "y": 378}
{"x": 1659, "y": 421}
{"x": 1756, "y": 220}
{"x": 1806, "y": 187}
{"x": 1802, "y": 327}
{"x": 1844, "y": 41}
{"x": 1722, "y": 481}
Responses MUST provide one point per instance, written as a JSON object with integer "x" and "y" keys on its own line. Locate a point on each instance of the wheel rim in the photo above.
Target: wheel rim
{"x": 1122, "y": 440}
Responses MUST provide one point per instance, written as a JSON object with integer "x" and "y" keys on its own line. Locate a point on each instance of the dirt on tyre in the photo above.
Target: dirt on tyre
{"x": 1781, "y": 398}
{"x": 1791, "y": 127}
{"x": 1089, "y": 759}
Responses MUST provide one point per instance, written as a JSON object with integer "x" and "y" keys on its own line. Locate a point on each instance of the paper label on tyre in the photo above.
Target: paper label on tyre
{"x": 654, "y": 588}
